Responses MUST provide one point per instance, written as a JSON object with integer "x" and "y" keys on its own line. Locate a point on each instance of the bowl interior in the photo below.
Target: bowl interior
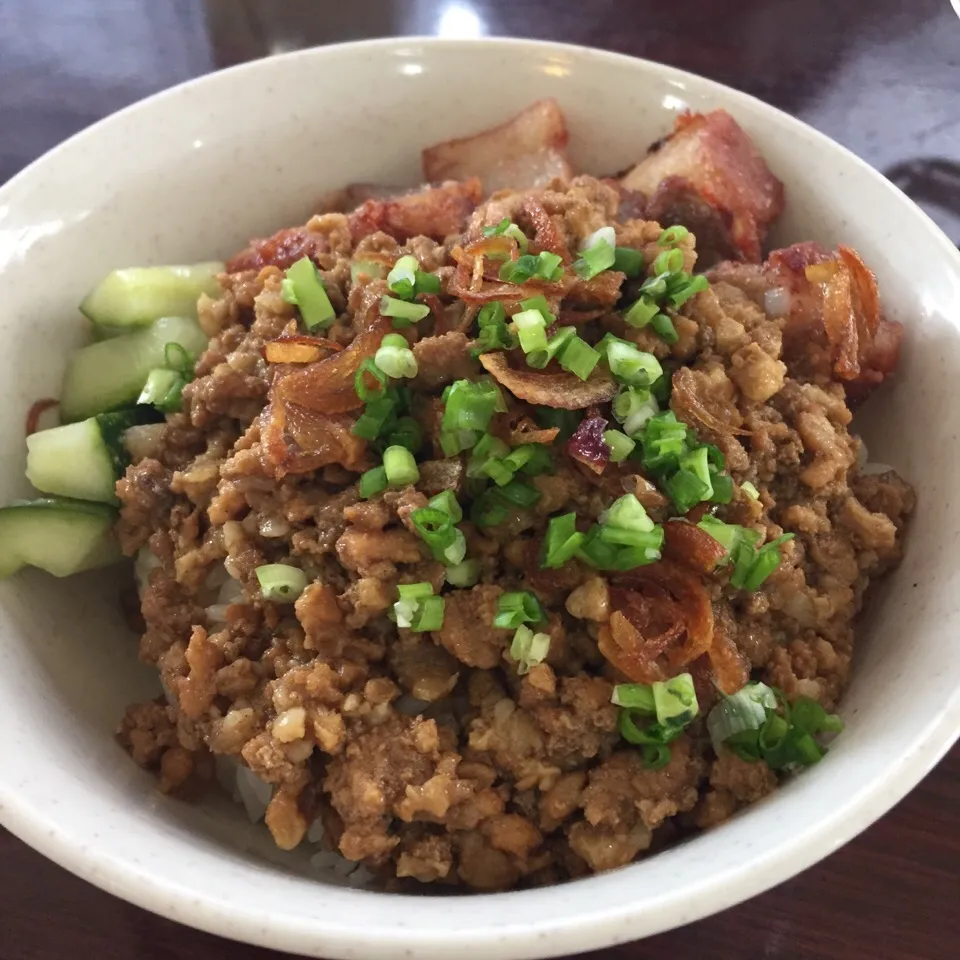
{"x": 191, "y": 175}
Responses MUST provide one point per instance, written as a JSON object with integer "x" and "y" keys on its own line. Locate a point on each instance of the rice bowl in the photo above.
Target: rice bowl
{"x": 827, "y": 806}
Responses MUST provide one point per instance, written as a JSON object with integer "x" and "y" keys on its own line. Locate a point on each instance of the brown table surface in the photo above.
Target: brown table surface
{"x": 880, "y": 76}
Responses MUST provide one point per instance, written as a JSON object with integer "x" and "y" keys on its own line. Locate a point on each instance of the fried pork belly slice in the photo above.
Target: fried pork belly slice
{"x": 526, "y": 151}
{"x": 709, "y": 171}
{"x": 431, "y": 211}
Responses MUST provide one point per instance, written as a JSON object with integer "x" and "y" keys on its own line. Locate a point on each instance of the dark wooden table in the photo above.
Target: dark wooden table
{"x": 880, "y": 76}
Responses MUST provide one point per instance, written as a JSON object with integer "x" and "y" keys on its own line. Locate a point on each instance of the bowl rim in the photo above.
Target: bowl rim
{"x": 595, "y": 925}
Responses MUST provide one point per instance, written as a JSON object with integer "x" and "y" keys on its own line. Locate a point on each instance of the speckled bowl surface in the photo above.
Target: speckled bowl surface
{"x": 189, "y": 175}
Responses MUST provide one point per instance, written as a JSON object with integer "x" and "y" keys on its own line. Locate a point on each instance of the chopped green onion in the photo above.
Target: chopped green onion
{"x": 375, "y": 417}
{"x": 635, "y": 696}
{"x": 418, "y": 609}
{"x": 470, "y": 405}
{"x": 177, "y": 358}
{"x": 489, "y": 509}
{"x": 403, "y": 277}
{"x": 634, "y": 407}
{"x": 561, "y": 542}
{"x": 528, "y": 648}
{"x": 539, "y": 302}
{"x": 496, "y": 229}
{"x": 750, "y": 490}
{"x": 631, "y": 365}
{"x": 520, "y": 493}
{"x": 686, "y": 490}
{"x": 514, "y": 609}
{"x": 621, "y": 446}
{"x": 487, "y": 448}
{"x": 536, "y": 459}
{"x": 628, "y": 513}
{"x": 722, "y": 487}
{"x": 303, "y": 287}
{"x": 395, "y": 358}
{"x": 697, "y": 462}
{"x": 368, "y": 269}
{"x": 670, "y": 261}
{"x": 519, "y": 270}
{"x": 437, "y": 529}
{"x": 566, "y": 421}
{"x": 664, "y": 328}
{"x": 579, "y": 358}
{"x": 672, "y": 235}
{"x": 538, "y": 359}
{"x": 641, "y": 313}
{"x": 494, "y": 333}
{"x": 447, "y": 502}
{"x": 728, "y": 535}
{"x": 400, "y": 466}
{"x": 281, "y": 583}
{"x": 427, "y": 283}
{"x": 549, "y": 266}
{"x": 402, "y": 312}
{"x": 684, "y": 292}
{"x": 676, "y": 701}
{"x": 454, "y": 552}
{"x": 407, "y": 432}
{"x": 429, "y": 615}
{"x": 531, "y": 330}
{"x": 360, "y": 381}
{"x": 372, "y": 482}
{"x": 744, "y": 710}
{"x": 628, "y": 261}
{"x": 767, "y": 560}
{"x": 654, "y": 287}
{"x": 464, "y": 574}
{"x": 596, "y": 258}
{"x": 163, "y": 390}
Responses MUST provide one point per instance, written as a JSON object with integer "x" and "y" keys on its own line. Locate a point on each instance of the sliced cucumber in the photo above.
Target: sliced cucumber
{"x": 57, "y": 535}
{"x": 83, "y": 460}
{"x": 135, "y": 297}
{"x": 111, "y": 374}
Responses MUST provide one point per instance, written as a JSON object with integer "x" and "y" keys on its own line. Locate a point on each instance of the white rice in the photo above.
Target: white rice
{"x": 243, "y": 786}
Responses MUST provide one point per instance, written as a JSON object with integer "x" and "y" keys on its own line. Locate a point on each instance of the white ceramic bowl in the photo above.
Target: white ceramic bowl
{"x": 192, "y": 173}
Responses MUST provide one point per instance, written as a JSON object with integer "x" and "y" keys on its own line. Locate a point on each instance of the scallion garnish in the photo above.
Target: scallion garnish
{"x": 653, "y": 715}
{"x": 395, "y": 358}
{"x": 641, "y": 313}
{"x": 750, "y": 490}
{"x": 506, "y": 228}
{"x": 402, "y": 312}
{"x": 376, "y": 417}
{"x": 578, "y": 357}
{"x": 448, "y": 503}
{"x": 464, "y": 574}
{"x": 749, "y": 724}
{"x": 628, "y": 261}
{"x": 514, "y": 609}
{"x": 163, "y": 390}
{"x": 561, "y": 542}
{"x": 520, "y": 493}
{"x": 402, "y": 279}
{"x": 177, "y": 358}
{"x": 627, "y": 512}
{"x": 468, "y": 408}
{"x": 679, "y": 295}
{"x": 406, "y": 432}
{"x": 672, "y": 235}
{"x": 549, "y": 266}
{"x": 417, "y": 608}
{"x": 438, "y": 530}
{"x": 372, "y": 482}
{"x": 530, "y": 328}
{"x": 361, "y": 381}
{"x": 400, "y": 467}
{"x": 303, "y": 287}
{"x": 632, "y": 366}
{"x": 670, "y": 261}
{"x": 528, "y": 648}
{"x": 664, "y": 328}
{"x": 280, "y": 583}
{"x": 538, "y": 359}
{"x": 621, "y": 446}
{"x": 598, "y": 254}
{"x": 539, "y": 302}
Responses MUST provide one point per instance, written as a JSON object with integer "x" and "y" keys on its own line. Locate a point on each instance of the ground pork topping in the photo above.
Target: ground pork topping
{"x": 575, "y": 482}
